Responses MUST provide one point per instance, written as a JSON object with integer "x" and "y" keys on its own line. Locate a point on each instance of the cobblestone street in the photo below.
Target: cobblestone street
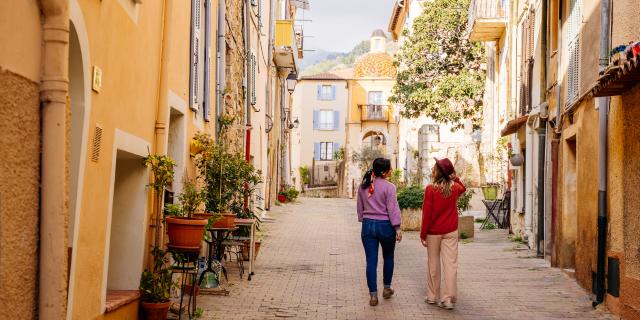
{"x": 311, "y": 266}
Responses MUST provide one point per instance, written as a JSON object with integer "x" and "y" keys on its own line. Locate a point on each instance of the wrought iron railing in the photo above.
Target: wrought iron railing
{"x": 374, "y": 112}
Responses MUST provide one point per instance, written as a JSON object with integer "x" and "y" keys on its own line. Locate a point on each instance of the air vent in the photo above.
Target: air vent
{"x": 96, "y": 143}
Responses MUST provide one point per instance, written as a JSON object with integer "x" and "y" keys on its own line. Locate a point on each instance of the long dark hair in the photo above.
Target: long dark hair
{"x": 380, "y": 166}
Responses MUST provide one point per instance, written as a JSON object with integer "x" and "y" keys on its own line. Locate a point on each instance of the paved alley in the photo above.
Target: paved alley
{"x": 311, "y": 266}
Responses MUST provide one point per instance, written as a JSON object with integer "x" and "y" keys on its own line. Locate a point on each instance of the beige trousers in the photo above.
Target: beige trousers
{"x": 442, "y": 247}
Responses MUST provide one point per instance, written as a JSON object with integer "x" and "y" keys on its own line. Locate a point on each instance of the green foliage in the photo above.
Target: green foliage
{"x": 338, "y": 155}
{"x": 190, "y": 198}
{"x": 410, "y": 197}
{"x": 161, "y": 170}
{"x": 464, "y": 201}
{"x": 440, "y": 71}
{"x": 479, "y": 220}
{"x": 155, "y": 285}
{"x": 227, "y": 177}
{"x": 489, "y": 226}
{"x": 396, "y": 178}
{"x": 463, "y": 236}
{"x": 305, "y": 174}
{"x": 290, "y": 193}
{"x": 172, "y": 210}
{"x": 364, "y": 158}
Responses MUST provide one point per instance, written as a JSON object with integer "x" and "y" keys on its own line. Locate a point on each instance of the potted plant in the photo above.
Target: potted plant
{"x": 282, "y": 197}
{"x": 155, "y": 287}
{"x": 161, "y": 176}
{"x": 183, "y": 228}
{"x": 465, "y": 223}
{"x": 410, "y": 201}
{"x": 490, "y": 191}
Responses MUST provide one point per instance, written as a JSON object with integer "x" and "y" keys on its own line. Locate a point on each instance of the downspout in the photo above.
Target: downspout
{"x": 162, "y": 113}
{"x": 268, "y": 110}
{"x": 221, "y": 63}
{"x": 603, "y": 110}
{"x": 54, "y": 93}
{"x": 542, "y": 135}
{"x": 206, "y": 108}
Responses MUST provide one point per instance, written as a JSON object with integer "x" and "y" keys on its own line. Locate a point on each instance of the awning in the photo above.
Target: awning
{"x": 513, "y": 125}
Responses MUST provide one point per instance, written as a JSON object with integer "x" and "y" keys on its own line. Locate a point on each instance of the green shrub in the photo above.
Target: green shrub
{"x": 396, "y": 178}
{"x": 410, "y": 197}
{"x": 305, "y": 174}
{"x": 463, "y": 235}
{"x": 489, "y": 226}
{"x": 464, "y": 201}
{"x": 480, "y": 220}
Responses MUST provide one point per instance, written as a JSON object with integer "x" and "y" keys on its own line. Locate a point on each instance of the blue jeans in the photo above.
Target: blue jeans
{"x": 376, "y": 232}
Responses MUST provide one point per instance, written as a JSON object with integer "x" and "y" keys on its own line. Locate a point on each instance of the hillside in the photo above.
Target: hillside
{"x": 335, "y": 61}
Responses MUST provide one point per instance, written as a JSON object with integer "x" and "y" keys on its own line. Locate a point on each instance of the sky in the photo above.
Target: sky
{"x": 338, "y": 25}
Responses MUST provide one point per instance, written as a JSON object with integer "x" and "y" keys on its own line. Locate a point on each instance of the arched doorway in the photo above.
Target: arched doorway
{"x": 374, "y": 140}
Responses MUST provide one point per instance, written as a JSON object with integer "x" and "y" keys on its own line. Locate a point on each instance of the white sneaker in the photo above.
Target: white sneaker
{"x": 446, "y": 305}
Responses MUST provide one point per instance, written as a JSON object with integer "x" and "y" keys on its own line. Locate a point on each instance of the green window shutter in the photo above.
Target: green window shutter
{"x": 254, "y": 98}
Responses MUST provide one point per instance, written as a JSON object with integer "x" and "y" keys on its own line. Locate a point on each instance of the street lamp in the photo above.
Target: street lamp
{"x": 292, "y": 79}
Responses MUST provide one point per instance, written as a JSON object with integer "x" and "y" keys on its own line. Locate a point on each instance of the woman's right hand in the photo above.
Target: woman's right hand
{"x": 424, "y": 242}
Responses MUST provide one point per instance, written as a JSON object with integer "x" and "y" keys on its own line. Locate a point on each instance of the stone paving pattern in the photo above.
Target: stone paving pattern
{"x": 311, "y": 266}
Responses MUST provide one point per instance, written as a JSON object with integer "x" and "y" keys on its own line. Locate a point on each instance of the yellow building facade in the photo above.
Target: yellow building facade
{"x": 89, "y": 88}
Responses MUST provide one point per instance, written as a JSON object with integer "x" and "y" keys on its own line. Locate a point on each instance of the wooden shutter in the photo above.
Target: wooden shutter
{"x": 333, "y": 92}
{"x": 316, "y": 151}
{"x": 524, "y": 29}
{"x": 316, "y": 119}
{"x": 574, "y": 21}
{"x": 319, "y": 92}
{"x": 336, "y": 120}
{"x": 336, "y": 147}
{"x": 194, "y": 81}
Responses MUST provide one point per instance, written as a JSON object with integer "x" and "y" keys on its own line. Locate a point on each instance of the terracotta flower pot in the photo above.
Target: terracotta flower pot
{"x": 282, "y": 198}
{"x": 155, "y": 310}
{"x": 246, "y": 250}
{"x": 188, "y": 289}
{"x": 185, "y": 232}
{"x": 228, "y": 220}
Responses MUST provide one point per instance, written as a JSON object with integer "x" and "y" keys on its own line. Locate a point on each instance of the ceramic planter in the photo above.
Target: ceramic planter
{"x": 185, "y": 232}
{"x": 465, "y": 225}
{"x": 282, "y": 198}
{"x": 490, "y": 192}
{"x": 246, "y": 249}
{"x": 155, "y": 310}
{"x": 228, "y": 220}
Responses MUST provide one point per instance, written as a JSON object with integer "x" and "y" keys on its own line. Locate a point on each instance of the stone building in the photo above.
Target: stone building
{"x": 572, "y": 106}
{"x": 89, "y": 88}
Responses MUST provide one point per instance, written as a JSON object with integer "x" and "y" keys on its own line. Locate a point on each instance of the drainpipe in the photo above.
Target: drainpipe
{"x": 268, "y": 110}
{"x": 248, "y": 74}
{"x": 221, "y": 63}
{"x": 206, "y": 108}
{"x": 162, "y": 112}
{"x": 603, "y": 110}
{"x": 54, "y": 93}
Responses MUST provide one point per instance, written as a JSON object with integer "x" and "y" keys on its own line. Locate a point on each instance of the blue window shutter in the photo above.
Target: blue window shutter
{"x": 333, "y": 92}
{"x": 336, "y": 147}
{"x": 316, "y": 119}
{"x": 336, "y": 120}
{"x": 316, "y": 151}
{"x": 319, "y": 95}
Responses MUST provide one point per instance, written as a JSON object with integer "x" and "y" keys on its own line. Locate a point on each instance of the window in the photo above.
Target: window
{"x": 574, "y": 20}
{"x": 432, "y": 132}
{"x": 375, "y": 97}
{"x": 326, "y": 92}
{"x": 326, "y": 150}
{"x": 326, "y": 119}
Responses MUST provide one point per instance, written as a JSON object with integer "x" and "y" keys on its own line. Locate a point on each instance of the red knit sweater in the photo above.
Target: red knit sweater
{"x": 440, "y": 214}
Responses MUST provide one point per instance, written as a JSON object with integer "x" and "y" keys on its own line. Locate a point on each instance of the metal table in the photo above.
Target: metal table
{"x": 218, "y": 236}
{"x": 251, "y": 223}
{"x": 491, "y": 206}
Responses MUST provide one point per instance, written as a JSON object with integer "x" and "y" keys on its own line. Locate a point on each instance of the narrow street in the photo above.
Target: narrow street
{"x": 311, "y": 266}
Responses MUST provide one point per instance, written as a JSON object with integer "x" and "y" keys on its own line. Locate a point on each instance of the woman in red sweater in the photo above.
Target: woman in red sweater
{"x": 439, "y": 232}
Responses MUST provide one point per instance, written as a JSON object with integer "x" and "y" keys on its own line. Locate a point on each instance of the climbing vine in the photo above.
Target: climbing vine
{"x": 441, "y": 73}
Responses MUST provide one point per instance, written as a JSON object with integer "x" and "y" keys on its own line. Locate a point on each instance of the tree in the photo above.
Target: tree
{"x": 440, "y": 71}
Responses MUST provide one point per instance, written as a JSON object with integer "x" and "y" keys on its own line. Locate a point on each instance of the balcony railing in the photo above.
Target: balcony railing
{"x": 374, "y": 112}
{"x": 487, "y": 20}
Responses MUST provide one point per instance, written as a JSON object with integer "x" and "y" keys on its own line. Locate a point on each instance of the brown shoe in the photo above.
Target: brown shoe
{"x": 387, "y": 293}
{"x": 374, "y": 300}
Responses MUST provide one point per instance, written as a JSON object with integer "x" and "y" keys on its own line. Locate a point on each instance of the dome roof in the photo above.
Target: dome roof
{"x": 375, "y": 65}
{"x": 378, "y": 33}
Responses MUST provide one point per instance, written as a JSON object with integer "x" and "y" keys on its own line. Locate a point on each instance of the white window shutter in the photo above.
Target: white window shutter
{"x": 254, "y": 98}
{"x": 196, "y": 25}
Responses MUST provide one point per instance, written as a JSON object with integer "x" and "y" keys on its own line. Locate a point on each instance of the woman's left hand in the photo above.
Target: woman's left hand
{"x": 399, "y": 236}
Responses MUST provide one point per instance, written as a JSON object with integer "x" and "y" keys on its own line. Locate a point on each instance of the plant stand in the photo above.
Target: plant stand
{"x": 187, "y": 264}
